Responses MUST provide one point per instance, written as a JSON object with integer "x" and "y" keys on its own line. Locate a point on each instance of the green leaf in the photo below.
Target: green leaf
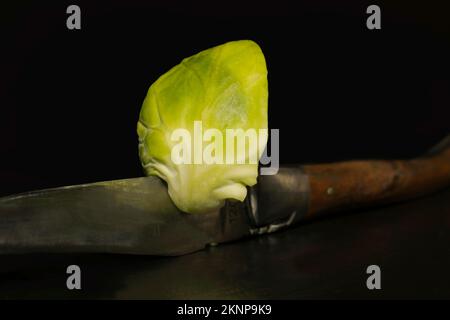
{"x": 224, "y": 87}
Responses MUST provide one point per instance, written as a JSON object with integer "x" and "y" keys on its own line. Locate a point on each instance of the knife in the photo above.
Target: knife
{"x": 136, "y": 216}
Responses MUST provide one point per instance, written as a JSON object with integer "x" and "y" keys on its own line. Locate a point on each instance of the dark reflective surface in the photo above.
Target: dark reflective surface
{"x": 321, "y": 259}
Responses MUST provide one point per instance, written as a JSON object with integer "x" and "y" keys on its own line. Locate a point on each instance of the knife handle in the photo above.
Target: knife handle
{"x": 355, "y": 184}
{"x": 299, "y": 193}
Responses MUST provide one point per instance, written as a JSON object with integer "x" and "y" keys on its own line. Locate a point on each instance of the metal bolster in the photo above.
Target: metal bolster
{"x": 278, "y": 201}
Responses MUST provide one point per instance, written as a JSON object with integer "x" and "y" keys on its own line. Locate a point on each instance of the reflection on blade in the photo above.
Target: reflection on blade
{"x": 132, "y": 216}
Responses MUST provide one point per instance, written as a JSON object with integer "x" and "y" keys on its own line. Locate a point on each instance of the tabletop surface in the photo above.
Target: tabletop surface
{"x": 325, "y": 258}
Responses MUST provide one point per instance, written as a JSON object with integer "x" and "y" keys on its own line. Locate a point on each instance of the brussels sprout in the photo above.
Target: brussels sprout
{"x": 224, "y": 87}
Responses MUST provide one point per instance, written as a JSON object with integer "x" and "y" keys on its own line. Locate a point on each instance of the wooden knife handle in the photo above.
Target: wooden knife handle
{"x": 354, "y": 184}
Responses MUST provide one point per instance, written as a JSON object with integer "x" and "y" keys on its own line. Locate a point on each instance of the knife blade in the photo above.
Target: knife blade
{"x": 132, "y": 216}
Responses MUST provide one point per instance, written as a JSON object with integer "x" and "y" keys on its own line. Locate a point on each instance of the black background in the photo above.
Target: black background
{"x": 70, "y": 99}
{"x": 69, "y": 102}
